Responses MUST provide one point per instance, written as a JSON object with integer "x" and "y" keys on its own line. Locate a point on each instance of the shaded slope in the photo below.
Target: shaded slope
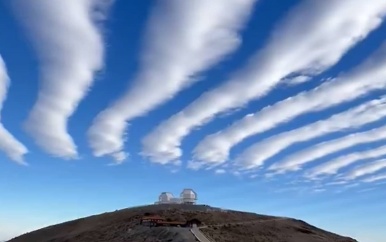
{"x": 288, "y": 230}
{"x": 222, "y": 225}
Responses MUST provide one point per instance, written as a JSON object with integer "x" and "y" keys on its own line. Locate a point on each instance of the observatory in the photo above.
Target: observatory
{"x": 168, "y": 198}
{"x": 187, "y": 196}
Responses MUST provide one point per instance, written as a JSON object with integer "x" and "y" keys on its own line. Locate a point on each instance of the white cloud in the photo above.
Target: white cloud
{"x": 353, "y": 118}
{"x": 333, "y": 26}
{"x": 4, "y": 82}
{"x": 70, "y": 48}
{"x": 375, "y": 178}
{"x": 8, "y": 143}
{"x": 216, "y": 147}
{"x": 333, "y": 166}
{"x": 365, "y": 169}
{"x": 194, "y": 165}
{"x": 295, "y": 161}
{"x": 366, "y": 190}
{"x": 220, "y": 171}
{"x": 350, "y": 185}
{"x": 184, "y": 38}
{"x": 120, "y": 157}
{"x": 334, "y": 183}
{"x": 318, "y": 190}
{"x": 297, "y": 80}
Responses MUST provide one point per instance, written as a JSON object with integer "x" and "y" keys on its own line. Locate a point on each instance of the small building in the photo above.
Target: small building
{"x": 193, "y": 223}
{"x": 152, "y": 220}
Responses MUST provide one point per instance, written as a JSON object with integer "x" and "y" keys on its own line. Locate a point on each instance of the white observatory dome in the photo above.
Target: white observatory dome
{"x": 165, "y": 197}
{"x": 188, "y": 196}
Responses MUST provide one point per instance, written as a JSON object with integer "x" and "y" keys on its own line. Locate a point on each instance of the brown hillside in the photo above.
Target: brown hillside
{"x": 220, "y": 225}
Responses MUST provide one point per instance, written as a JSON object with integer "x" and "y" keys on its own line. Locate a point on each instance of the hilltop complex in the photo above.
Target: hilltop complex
{"x": 187, "y": 196}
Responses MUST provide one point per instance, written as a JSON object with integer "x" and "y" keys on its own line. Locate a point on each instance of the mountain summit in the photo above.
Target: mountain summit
{"x": 181, "y": 222}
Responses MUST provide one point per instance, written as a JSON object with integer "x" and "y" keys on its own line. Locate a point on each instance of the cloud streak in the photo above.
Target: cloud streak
{"x": 353, "y": 118}
{"x": 295, "y": 161}
{"x": 365, "y": 170}
{"x": 184, "y": 38}
{"x": 333, "y": 26}
{"x": 333, "y": 166}
{"x": 216, "y": 147}
{"x": 375, "y": 178}
{"x": 13, "y": 148}
{"x": 344, "y": 89}
{"x": 69, "y": 44}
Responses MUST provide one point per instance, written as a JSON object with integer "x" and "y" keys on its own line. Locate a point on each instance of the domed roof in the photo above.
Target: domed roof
{"x": 188, "y": 193}
{"x": 165, "y": 197}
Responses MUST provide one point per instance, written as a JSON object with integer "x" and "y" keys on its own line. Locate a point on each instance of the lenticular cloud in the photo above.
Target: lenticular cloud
{"x": 345, "y": 88}
{"x": 296, "y": 160}
{"x": 333, "y": 166}
{"x": 70, "y": 48}
{"x": 333, "y": 26}
{"x": 183, "y": 39}
{"x": 365, "y": 169}
{"x": 351, "y": 119}
{"x": 8, "y": 144}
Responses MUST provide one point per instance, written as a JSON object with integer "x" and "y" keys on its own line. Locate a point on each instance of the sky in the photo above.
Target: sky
{"x": 273, "y": 107}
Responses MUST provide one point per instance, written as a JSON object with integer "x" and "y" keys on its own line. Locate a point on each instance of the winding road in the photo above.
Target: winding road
{"x": 202, "y": 237}
{"x": 199, "y": 235}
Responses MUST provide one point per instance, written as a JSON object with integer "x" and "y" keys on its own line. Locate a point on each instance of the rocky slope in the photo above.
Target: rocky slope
{"x": 219, "y": 225}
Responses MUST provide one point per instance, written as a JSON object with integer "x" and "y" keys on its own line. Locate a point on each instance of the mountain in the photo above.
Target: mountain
{"x": 218, "y": 225}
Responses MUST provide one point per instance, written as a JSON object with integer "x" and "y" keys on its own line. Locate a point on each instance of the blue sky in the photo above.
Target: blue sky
{"x": 275, "y": 107}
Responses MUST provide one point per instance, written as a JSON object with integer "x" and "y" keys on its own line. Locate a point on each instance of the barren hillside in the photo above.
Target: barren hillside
{"x": 219, "y": 225}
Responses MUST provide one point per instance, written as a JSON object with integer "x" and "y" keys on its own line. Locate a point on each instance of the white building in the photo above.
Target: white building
{"x": 187, "y": 196}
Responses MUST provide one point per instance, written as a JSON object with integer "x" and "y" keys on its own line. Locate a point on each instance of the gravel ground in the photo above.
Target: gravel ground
{"x": 221, "y": 225}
